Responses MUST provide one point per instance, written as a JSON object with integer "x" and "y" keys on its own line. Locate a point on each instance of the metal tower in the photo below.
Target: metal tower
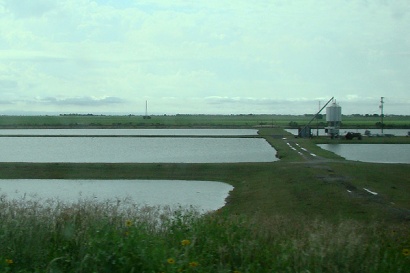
{"x": 381, "y": 112}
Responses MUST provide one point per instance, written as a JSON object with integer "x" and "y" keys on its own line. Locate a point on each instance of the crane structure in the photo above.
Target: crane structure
{"x": 305, "y": 131}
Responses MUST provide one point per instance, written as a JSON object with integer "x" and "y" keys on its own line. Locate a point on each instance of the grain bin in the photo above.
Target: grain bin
{"x": 333, "y": 119}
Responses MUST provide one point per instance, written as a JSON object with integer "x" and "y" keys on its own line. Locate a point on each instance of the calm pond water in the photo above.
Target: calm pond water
{"x": 130, "y": 132}
{"x": 135, "y": 150}
{"x": 378, "y": 153}
{"x": 202, "y": 195}
{"x": 396, "y": 132}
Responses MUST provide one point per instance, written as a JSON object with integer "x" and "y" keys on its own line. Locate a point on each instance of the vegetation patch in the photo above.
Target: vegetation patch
{"x": 101, "y": 237}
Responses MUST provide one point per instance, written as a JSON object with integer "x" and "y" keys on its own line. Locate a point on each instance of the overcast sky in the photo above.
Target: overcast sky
{"x": 210, "y": 57}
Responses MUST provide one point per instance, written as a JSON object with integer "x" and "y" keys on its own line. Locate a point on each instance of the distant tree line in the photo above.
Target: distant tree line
{"x": 80, "y": 115}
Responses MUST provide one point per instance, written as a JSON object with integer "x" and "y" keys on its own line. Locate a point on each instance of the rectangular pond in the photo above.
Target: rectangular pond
{"x": 128, "y": 132}
{"x": 201, "y": 195}
{"x": 344, "y": 131}
{"x": 135, "y": 150}
{"x": 377, "y": 153}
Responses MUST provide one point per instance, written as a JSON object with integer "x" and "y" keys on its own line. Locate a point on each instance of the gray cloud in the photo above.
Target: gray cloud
{"x": 30, "y": 56}
{"x": 29, "y": 8}
{"x": 8, "y": 84}
{"x": 6, "y": 102}
{"x": 80, "y": 101}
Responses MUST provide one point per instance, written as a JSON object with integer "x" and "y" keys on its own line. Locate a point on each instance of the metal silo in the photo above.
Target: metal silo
{"x": 333, "y": 119}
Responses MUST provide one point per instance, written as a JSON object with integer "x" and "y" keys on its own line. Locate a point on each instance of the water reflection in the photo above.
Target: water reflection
{"x": 377, "y": 153}
{"x": 202, "y": 195}
{"x": 344, "y": 131}
{"x": 128, "y": 132}
{"x": 135, "y": 150}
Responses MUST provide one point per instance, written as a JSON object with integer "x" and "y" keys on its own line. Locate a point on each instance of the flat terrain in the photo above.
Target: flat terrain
{"x": 311, "y": 211}
{"x": 323, "y": 186}
{"x": 251, "y": 120}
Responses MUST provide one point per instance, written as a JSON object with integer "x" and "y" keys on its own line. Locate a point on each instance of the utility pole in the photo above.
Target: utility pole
{"x": 381, "y": 114}
{"x": 317, "y": 124}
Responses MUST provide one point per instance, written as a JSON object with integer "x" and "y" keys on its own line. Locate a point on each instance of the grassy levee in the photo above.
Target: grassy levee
{"x": 159, "y": 121}
{"x": 155, "y": 121}
{"x": 302, "y": 213}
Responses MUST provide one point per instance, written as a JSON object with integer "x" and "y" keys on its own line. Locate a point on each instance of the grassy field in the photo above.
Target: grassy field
{"x": 75, "y": 121}
{"x": 299, "y": 214}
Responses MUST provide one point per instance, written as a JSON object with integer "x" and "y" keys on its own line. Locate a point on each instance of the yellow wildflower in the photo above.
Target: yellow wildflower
{"x": 170, "y": 261}
{"x": 185, "y": 242}
{"x": 406, "y": 252}
{"x": 128, "y": 223}
{"x": 237, "y": 271}
{"x": 9, "y": 261}
{"x": 193, "y": 264}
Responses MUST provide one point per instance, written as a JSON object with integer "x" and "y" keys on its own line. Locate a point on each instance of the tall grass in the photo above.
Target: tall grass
{"x": 102, "y": 237}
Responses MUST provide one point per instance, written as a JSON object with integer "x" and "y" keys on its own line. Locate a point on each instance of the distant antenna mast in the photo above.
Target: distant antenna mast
{"x": 317, "y": 124}
{"x": 146, "y": 111}
{"x": 381, "y": 110}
